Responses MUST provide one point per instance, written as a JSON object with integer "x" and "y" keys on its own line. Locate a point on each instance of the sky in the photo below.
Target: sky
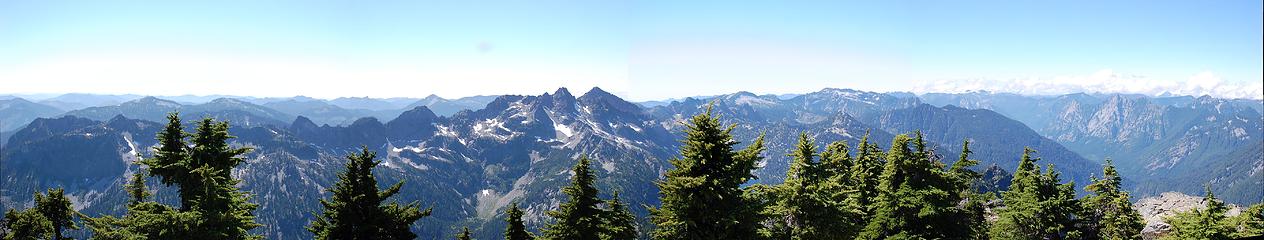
{"x": 639, "y": 50}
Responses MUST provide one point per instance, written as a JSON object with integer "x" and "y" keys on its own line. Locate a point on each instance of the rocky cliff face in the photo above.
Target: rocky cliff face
{"x": 1161, "y": 144}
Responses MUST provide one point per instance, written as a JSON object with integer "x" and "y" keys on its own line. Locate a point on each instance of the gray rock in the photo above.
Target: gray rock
{"x": 1154, "y": 209}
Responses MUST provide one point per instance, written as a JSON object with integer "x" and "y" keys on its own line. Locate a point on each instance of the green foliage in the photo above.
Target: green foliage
{"x": 1108, "y": 214}
{"x": 969, "y": 215}
{"x": 1036, "y": 206}
{"x": 516, "y": 229}
{"x": 27, "y": 225}
{"x": 171, "y": 160}
{"x": 211, "y": 205}
{"x": 1207, "y": 223}
{"x": 1250, "y": 223}
{"x": 356, "y": 209}
{"x": 918, "y": 199}
{"x": 51, "y": 216}
{"x": 864, "y": 174}
{"x": 619, "y": 223}
{"x": 464, "y": 235}
{"x": 55, "y": 207}
{"x": 148, "y": 220}
{"x": 702, "y": 197}
{"x": 813, "y": 201}
{"x": 1210, "y": 221}
{"x": 136, "y": 188}
{"x": 579, "y": 217}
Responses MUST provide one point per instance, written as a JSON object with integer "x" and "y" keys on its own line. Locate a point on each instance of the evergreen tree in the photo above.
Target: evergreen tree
{"x": 864, "y": 174}
{"x": 171, "y": 161}
{"x": 356, "y": 209}
{"x": 27, "y": 225}
{"x": 516, "y": 229}
{"x": 52, "y": 215}
{"x": 579, "y": 217}
{"x": 804, "y": 205}
{"x": 960, "y": 170}
{"x": 917, "y": 198}
{"x": 619, "y": 223}
{"x": 136, "y": 188}
{"x": 1250, "y": 223}
{"x": 1207, "y": 223}
{"x": 1108, "y": 212}
{"x": 225, "y": 210}
{"x": 211, "y": 205}
{"x": 970, "y": 214}
{"x": 843, "y": 215}
{"x": 55, "y": 207}
{"x": 1036, "y": 206}
{"x": 836, "y": 163}
{"x": 147, "y": 220}
{"x": 464, "y": 235}
{"x": 702, "y": 197}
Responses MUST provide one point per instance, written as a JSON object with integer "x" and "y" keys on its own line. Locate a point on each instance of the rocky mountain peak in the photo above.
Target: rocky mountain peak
{"x": 302, "y": 123}
{"x": 597, "y": 99}
{"x": 412, "y": 124}
{"x": 47, "y": 127}
{"x": 122, "y": 123}
{"x": 117, "y": 118}
{"x": 563, "y": 93}
{"x": 429, "y": 100}
{"x": 419, "y": 113}
{"x": 365, "y": 122}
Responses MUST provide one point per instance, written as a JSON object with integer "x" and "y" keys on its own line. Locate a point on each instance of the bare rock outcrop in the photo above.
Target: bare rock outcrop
{"x": 1154, "y": 209}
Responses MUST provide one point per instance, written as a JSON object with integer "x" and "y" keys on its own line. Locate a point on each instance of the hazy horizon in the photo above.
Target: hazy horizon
{"x": 327, "y": 49}
{"x": 206, "y": 98}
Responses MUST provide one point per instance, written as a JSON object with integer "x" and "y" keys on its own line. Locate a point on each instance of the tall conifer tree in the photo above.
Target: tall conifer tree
{"x": 580, "y": 216}
{"x": 515, "y": 228}
{"x": 618, "y": 223}
{"x": 56, "y": 208}
{"x": 702, "y": 197}
{"x": 1108, "y": 212}
{"x": 357, "y": 209}
{"x": 806, "y": 205}
{"x": 211, "y": 206}
{"x": 969, "y": 215}
{"x": 136, "y": 188}
{"x": 916, "y": 196}
{"x": 865, "y": 172}
{"x": 1036, "y": 205}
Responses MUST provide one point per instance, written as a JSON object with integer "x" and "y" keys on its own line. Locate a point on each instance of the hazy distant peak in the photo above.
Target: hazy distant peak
{"x": 151, "y": 100}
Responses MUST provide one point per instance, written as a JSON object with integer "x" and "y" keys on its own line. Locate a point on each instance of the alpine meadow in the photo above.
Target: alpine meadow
{"x": 341, "y": 120}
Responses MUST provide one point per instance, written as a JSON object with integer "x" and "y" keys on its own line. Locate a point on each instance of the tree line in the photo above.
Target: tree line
{"x": 837, "y": 192}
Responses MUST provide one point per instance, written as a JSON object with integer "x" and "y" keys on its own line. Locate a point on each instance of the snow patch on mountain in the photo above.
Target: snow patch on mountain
{"x": 753, "y": 100}
{"x": 563, "y": 130}
{"x": 491, "y": 128}
{"x": 445, "y": 131}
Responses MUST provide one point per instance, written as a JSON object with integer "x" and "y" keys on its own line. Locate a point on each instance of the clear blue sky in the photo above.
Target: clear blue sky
{"x": 641, "y": 50}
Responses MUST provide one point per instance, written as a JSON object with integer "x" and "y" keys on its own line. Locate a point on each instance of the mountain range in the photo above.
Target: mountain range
{"x": 471, "y": 157}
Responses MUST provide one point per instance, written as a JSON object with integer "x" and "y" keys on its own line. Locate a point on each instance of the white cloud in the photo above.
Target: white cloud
{"x": 1104, "y": 81}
